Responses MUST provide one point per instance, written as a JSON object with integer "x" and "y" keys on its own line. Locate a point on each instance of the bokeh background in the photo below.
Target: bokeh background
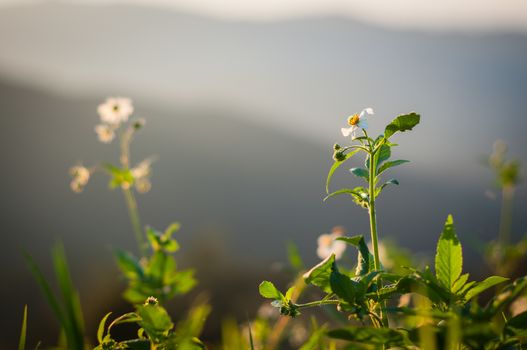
{"x": 243, "y": 101}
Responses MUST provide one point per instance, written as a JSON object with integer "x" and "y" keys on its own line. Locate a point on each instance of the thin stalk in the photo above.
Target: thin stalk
{"x": 318, "y": 303}
{"x": 373, "y": 220}
{"x": 131, "y": 203}
{"x": 507, "y": 195}
{"x": 133, "y": 213}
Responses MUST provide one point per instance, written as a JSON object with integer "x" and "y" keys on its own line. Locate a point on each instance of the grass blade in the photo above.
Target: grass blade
{"x": 75, "y": 333}
{"x": 23, "y": 331}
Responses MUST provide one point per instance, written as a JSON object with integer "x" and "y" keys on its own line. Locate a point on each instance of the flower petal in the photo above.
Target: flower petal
{"x": 347, "y": 131}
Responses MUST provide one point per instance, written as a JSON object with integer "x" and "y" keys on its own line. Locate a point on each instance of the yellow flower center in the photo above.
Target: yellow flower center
{"x": 353, "y": 120}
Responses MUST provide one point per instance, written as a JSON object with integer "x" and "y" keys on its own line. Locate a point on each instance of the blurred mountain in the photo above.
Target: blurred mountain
{"x": 242, "y": 116}
{"x": 303, "y": 76}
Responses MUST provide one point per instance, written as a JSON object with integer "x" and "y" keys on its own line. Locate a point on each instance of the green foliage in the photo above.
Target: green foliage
{"x": 156, "y": 329}
{"x": 449, "y": 259}
{"x": 453, "y": 313}
{"x": 402, "y": 123}
{"x": 319, "y": 274}
{"x": 23, "y": 331}
{"x": 156, "y": 275}
{"x": 67, "y": 311}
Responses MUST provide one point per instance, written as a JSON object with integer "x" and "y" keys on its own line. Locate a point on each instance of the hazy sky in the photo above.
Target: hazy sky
{"x": 444, "y": 14}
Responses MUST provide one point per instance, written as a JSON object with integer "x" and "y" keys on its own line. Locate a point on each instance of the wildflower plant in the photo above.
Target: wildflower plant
{"x": 503, "y": 255}
{"x": 153, "y": 277}
{"x": 420, "y": 308}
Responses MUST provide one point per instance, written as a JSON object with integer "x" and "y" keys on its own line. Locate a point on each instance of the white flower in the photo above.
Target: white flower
{"x": 81, "y": 176}
{"x": 140, "y": 174}
{"x": 115, "y": 110}
{"x": 327, "y": 244}
{"x": 105, "y": 132}
{"x": 142, "y": 169}
{"x": 357, "y": 121}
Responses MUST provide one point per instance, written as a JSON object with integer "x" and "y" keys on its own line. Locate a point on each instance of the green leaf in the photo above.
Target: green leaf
{"x": 517, "y": 325}
{"x": 365, "y": 260}
{"x": 289, "y": 293}
{"x": 342, "y": 285}
{"x": 349, "y": 191}
{"x": 129, "y": 265}
{"x": 378, "y": 190}
{"x": 295, "y": 260}
{"x": 336, "y": 165}
{"x": 71, "y": 298}
{"x": 360, "y": 172}
{"x": 50, "y": 296}
{"x": 480, "y": 287}
{"x": 100, "y": 329}
{"x": 460, "y": 282}
{"x": 402, "y": 123}
{"x": 319, "y": 275}
{"x": 383, "y": 154}
{"x": 155, "y": 320}
{"x": 390, "y": 164}
{"x": 449, "y": 258}
{"x": 171, "y": 229}
{"x": 23, "y": 331}
{"x": 268, "y": 290}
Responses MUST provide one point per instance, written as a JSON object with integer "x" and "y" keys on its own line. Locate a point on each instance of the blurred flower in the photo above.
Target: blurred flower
{"x": 140, "y": 174}
{"x": 357, "y": 121}
{"x": 267, "y": 311}
{"x": 80, "y": 177}
{"x": 518, "y": 306}
{"x": 384, "y": 254}
{"x": 105, "y": 132}
{"x": 327, "y": 244}
{"x": 298, "y": 335}
{"x": 404, "y": 300}
{"x": 115, "y": 110}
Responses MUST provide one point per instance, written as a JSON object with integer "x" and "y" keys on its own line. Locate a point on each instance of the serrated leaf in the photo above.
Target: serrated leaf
{"x": 100, "y": 329}
{"x": 449, "y": 258}
{"x": 319, "y": 274}
{"x": 342, "y": 285}
{"x": 360, "y": 172}
{"x": 365, "y": 260}
{"x": 155, "y": 321}
{"x": 460, "y": 282}
{"x": 480, "y": 287}
{"x": 268, "y": 290}
{"x": 402, "y": 123}
{"x": 390, "y": 164}
{"x": 336, "y": 165}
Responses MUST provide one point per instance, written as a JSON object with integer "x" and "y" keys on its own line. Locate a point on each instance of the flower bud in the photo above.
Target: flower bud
{"x": 338, "y": 156}
{"x": 151, "y": 301}
{"x": 336, "y": 147}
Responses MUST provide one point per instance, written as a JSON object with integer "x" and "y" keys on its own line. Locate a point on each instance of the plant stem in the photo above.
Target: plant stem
{"x": 373, "y": 219}
{"x": 507, "y": 195}
{"x": 318, "y": 303}
{"x": 133, "y": 212}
